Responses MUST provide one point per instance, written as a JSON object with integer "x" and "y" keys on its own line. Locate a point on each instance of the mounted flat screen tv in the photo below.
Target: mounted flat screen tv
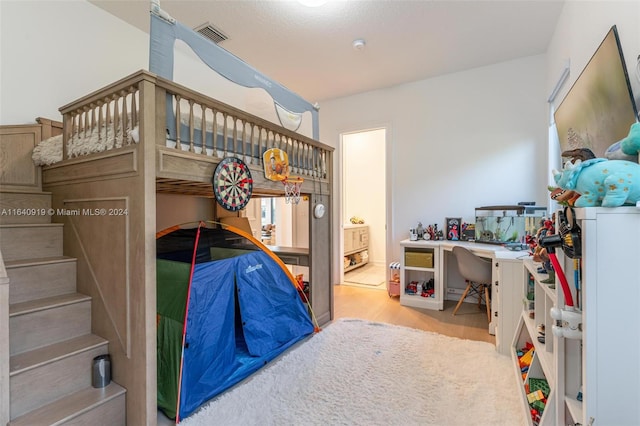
{"x": 599, "y": 108}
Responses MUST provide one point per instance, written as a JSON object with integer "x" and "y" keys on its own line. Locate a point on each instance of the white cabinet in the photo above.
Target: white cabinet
{"x": 506, "y": 299}
{"x": 420, "y": 277}
{"x": 356, "y": 246}
{"x": 592, "y": 377}
{"x": 604, "y": 364}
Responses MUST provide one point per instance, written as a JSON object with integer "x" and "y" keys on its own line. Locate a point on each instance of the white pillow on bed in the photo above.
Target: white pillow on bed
{"x": 48, "y": 152}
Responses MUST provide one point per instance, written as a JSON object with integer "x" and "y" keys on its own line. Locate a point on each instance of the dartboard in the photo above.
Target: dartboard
{"x": 232, "y": 184}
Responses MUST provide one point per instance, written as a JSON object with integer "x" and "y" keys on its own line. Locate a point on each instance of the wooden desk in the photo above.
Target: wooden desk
{"x": 507, "y": 289}
{"x": 292, "y": 255}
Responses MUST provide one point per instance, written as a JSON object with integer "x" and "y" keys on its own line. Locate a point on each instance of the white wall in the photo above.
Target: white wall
{"x": 54, "y": 52}
{"x": 363, "y": 183}
{"x": 455, "y": 142}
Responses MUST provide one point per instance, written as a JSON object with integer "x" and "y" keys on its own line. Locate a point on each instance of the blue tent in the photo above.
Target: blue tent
{"x": 226, "y": 306}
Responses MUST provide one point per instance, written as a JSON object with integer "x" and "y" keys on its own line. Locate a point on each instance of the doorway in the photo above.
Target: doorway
{"x": 364, "y": 208}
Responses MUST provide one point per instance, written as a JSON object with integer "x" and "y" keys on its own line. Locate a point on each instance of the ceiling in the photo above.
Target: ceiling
{"x": 309, "y": 49}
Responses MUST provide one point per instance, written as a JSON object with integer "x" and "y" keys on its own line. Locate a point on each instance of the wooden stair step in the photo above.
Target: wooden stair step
{"x": 48, "y": 373}
{"x": 39, "y": 278}
{"x": 31, "y": 241}
{"x": 90, "y": 406}
{"x": 41, "y": 322}
{"x": 38, "y": 357}
{"x": 25, "y": 207}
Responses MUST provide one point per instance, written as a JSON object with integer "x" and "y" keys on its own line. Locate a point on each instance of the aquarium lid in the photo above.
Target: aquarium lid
{"x": 519, "y": 209}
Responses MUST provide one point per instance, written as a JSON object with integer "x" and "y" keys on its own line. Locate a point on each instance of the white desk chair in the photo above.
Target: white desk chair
{"x": 477, "y": 273}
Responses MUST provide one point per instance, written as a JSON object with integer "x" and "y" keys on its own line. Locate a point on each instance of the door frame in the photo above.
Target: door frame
{"x": 388, "y": 196}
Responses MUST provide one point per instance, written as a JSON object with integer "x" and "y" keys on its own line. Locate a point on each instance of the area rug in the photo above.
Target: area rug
{"x": 356, "y": 372}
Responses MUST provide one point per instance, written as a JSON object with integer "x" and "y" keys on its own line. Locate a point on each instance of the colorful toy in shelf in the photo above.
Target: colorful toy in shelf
{"x": 568, "y": 238}
{"x": 601, "y": 182}
{"x": 563, "y": 197}
{"x": 539, "y": 253}
{"x": 428, "y": 289}
{"x": 525, "y": 360}
{"x": 412, "y": 288}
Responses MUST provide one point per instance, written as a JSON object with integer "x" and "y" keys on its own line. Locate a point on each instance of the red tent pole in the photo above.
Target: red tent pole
{"x": 186, "y": 315}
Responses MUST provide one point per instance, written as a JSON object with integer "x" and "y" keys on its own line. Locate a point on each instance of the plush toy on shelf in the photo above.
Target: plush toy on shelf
{"x": 601, "y": 182}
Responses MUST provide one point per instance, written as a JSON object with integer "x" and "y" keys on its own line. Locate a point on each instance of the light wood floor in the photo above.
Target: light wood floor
{"x": 376, "y": 305}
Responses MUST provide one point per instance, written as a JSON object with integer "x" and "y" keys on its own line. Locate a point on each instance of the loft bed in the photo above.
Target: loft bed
{"x": 122, "y": 148}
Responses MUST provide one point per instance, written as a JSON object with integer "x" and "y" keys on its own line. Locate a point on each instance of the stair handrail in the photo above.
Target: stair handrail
{"x": 4, "y": 344}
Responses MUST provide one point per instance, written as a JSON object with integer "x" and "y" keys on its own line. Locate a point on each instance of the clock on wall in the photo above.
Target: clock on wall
{"x": 232, "y": 183}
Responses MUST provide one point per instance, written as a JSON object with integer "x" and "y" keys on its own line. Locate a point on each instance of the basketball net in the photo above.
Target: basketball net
{"x": 292, "y": 189}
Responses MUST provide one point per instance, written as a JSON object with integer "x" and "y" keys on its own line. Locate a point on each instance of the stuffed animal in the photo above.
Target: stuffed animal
{"x": 631, "y": 144}
{"x": 627, "y": 148}
{"x": 564, "y": 197}
{"x": 609, "y": 183}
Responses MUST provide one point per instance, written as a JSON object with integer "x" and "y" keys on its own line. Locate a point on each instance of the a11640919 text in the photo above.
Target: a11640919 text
{"x": 63, "y": 212}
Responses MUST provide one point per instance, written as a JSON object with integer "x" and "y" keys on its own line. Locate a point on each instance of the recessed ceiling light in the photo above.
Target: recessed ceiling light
{"x": 312, "y": 3}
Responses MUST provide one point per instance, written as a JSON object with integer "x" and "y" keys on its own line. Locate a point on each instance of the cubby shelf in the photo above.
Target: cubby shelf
{"x": 356, "y": 246}
{"x": 598, "y": 363}
{"x": 534, "y": 315}
{"x": 426, "y": 273}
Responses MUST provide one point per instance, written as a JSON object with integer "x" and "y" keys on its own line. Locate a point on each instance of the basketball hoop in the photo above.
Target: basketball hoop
{"x": 292, "y": 189}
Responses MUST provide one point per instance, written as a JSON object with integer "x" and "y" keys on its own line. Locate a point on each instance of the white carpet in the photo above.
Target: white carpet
{"x": 356, "y": 372}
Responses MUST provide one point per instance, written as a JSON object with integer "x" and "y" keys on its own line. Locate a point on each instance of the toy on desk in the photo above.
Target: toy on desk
{"x": 453, "y": 228}
{"x": 431, "y": 231}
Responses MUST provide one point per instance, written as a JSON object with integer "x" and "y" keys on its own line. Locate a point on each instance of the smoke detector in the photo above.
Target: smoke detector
{"x": 358, "y": 44}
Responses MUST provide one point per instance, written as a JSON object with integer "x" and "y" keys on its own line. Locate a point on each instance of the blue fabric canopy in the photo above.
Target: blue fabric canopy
{"x": 161, "y": 60}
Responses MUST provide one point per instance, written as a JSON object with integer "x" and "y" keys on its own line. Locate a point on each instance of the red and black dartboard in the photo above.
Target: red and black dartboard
{"x": 232, "y": 184}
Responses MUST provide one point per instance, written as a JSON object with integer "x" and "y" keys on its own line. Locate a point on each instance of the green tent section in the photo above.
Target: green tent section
{"x": 226, "y": 306}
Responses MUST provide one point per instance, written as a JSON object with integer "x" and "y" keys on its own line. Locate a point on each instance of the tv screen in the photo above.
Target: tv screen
{"x": 599, "y": 108}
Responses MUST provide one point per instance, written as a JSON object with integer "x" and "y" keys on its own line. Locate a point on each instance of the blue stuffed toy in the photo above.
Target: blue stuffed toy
{"x": 601, "y": 182}
{"x": 627, "y": 148}
{"x": 631, "y": 144}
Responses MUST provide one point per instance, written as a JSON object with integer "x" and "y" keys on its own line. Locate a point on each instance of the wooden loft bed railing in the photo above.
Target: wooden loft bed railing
{"x": 111, "y": 117}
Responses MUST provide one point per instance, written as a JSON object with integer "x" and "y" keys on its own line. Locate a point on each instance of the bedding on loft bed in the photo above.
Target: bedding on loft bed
{"x": 90, "y": 137}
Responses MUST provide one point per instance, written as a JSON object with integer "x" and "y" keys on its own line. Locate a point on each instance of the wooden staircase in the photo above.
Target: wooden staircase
{"x": 51, "y": 347}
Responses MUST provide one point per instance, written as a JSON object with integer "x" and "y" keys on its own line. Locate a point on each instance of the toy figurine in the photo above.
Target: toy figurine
{"x": 431, "y": 232}
{"x": 540, "y": 253}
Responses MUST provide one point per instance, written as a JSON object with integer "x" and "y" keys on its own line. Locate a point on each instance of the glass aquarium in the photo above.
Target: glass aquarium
{"x": 508, "y": 224}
